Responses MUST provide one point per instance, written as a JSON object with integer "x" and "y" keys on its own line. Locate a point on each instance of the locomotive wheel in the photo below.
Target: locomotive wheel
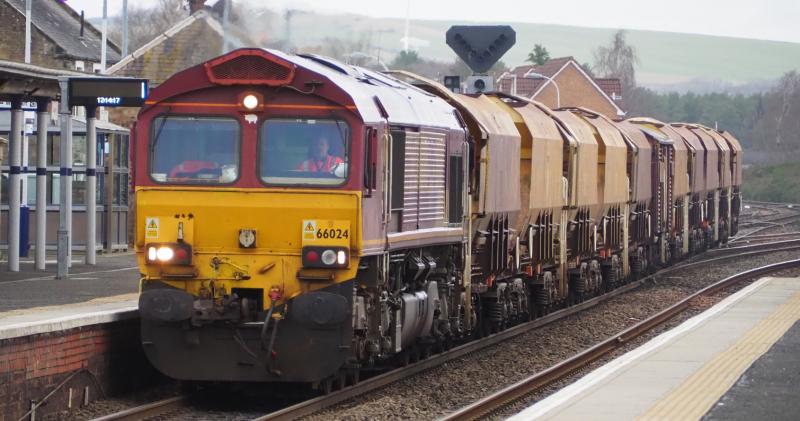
{"x": 356, "y": 375}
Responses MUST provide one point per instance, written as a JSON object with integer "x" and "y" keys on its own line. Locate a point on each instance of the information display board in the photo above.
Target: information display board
{"x": 107, "y": 92}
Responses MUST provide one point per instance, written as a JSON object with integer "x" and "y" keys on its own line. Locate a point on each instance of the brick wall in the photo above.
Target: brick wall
{"x": 12, "y": 47}
{"x": 108, "y": 355}
{"x": 576, "y": 91}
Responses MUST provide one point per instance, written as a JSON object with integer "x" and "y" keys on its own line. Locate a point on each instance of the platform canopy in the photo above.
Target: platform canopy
{"x": 27, "y": 80}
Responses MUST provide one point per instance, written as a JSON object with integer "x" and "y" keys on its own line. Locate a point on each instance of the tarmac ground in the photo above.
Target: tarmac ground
{"x": 114, "y": 274}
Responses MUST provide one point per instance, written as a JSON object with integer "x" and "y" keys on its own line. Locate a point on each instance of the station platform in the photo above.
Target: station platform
{"x": 81, "y": 332}
{"x": 738, "y": 360}
{"x": 114, "y": 274}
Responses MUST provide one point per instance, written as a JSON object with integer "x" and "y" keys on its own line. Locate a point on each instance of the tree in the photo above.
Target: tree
{"x": 539, "y": 55}
{"x": 777, "y": 127}
{"x": 618, "y": 60}
{"x": 588, "y": 69}
{"x": 405, "y": 60}
{"x": 146, "y": 23}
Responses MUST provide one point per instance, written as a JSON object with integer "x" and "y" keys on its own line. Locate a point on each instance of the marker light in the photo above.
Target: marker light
{"x": 169, "y": 253}
{"x": 324, "y": 257}
{"x": 250, "y": 101}
{"x": 328, "y": 257}
{"x": 165, "y": 254}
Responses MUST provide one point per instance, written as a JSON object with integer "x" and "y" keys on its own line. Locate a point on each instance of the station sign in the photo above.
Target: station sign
{"x": 107, "y": 92}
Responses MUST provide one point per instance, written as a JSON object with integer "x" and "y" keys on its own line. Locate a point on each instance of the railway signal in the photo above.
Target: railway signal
{"x": 480, "y": 47}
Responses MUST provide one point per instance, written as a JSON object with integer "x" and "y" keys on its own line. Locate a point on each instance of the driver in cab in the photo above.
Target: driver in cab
{"x": 319, "y": 157}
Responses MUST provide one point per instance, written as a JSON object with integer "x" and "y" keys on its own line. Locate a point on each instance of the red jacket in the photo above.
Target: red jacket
{"x": 315, "y": 165}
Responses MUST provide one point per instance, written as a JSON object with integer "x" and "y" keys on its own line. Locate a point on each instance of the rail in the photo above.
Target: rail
{"x": 149, "y": 410}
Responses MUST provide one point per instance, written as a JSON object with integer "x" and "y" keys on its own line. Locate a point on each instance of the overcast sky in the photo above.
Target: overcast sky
{"x": 761, "y": 19}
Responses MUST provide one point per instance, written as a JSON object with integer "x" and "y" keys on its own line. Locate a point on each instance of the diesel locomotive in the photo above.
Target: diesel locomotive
{"x": 299, "y": 219}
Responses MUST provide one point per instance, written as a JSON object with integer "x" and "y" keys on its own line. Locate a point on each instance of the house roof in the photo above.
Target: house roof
{"x": 611, "y": 86}
{"x": 180, "y": 48}
{"x": 529, "y": 86}
{"x": 613, "y": 89}
{"x": 57, "y": 21}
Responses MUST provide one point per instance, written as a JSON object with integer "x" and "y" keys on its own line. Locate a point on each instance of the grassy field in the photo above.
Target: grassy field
{"x": 666, "y": 58}
{"x": 777, "y": 183}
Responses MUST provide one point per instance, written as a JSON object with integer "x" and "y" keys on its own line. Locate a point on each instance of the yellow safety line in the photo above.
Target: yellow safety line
{"x": 695, "y": 396}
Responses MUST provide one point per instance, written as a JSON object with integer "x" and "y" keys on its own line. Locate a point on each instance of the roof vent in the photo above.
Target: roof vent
{"x": 250, "y": 67}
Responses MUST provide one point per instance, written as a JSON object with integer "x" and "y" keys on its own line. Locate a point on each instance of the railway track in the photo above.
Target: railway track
{"x": 161, "y": 409}
{"x": 780, "y": 216}
{"x": 537, "y": 381}
{"x": 149, "y": 410}
{"x": 759, "y": 238}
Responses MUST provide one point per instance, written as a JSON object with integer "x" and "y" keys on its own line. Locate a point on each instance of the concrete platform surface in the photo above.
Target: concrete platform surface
{"x": 114, "y": 274}
{"x": 682, "y": 373}
{"x": 31, "y": 321}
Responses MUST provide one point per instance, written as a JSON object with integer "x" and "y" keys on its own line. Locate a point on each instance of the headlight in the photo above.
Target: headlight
{"x": 325, "y": 257}
{"x": 328, "y": 257}
{"x": 169, "y": 253}
{"x": 250, "y": 101}
{"x": 165, "y": 254}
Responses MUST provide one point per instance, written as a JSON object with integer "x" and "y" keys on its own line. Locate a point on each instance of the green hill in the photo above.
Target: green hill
{"x": 666, "y": 58}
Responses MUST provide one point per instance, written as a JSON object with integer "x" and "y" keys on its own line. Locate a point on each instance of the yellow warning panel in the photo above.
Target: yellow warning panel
{"x": 151, "y": 228}
{"x": 328, "y": 232}
{"x": 169, "y": 229}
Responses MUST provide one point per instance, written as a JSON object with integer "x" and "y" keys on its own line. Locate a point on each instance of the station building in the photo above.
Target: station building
{"x": 62, "y": 44}
{"x": 112, "y": 182}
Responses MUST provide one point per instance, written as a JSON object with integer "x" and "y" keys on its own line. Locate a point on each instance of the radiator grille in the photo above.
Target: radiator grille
{"x": 424, "y": 198}
{"x": 250, "y": 69}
